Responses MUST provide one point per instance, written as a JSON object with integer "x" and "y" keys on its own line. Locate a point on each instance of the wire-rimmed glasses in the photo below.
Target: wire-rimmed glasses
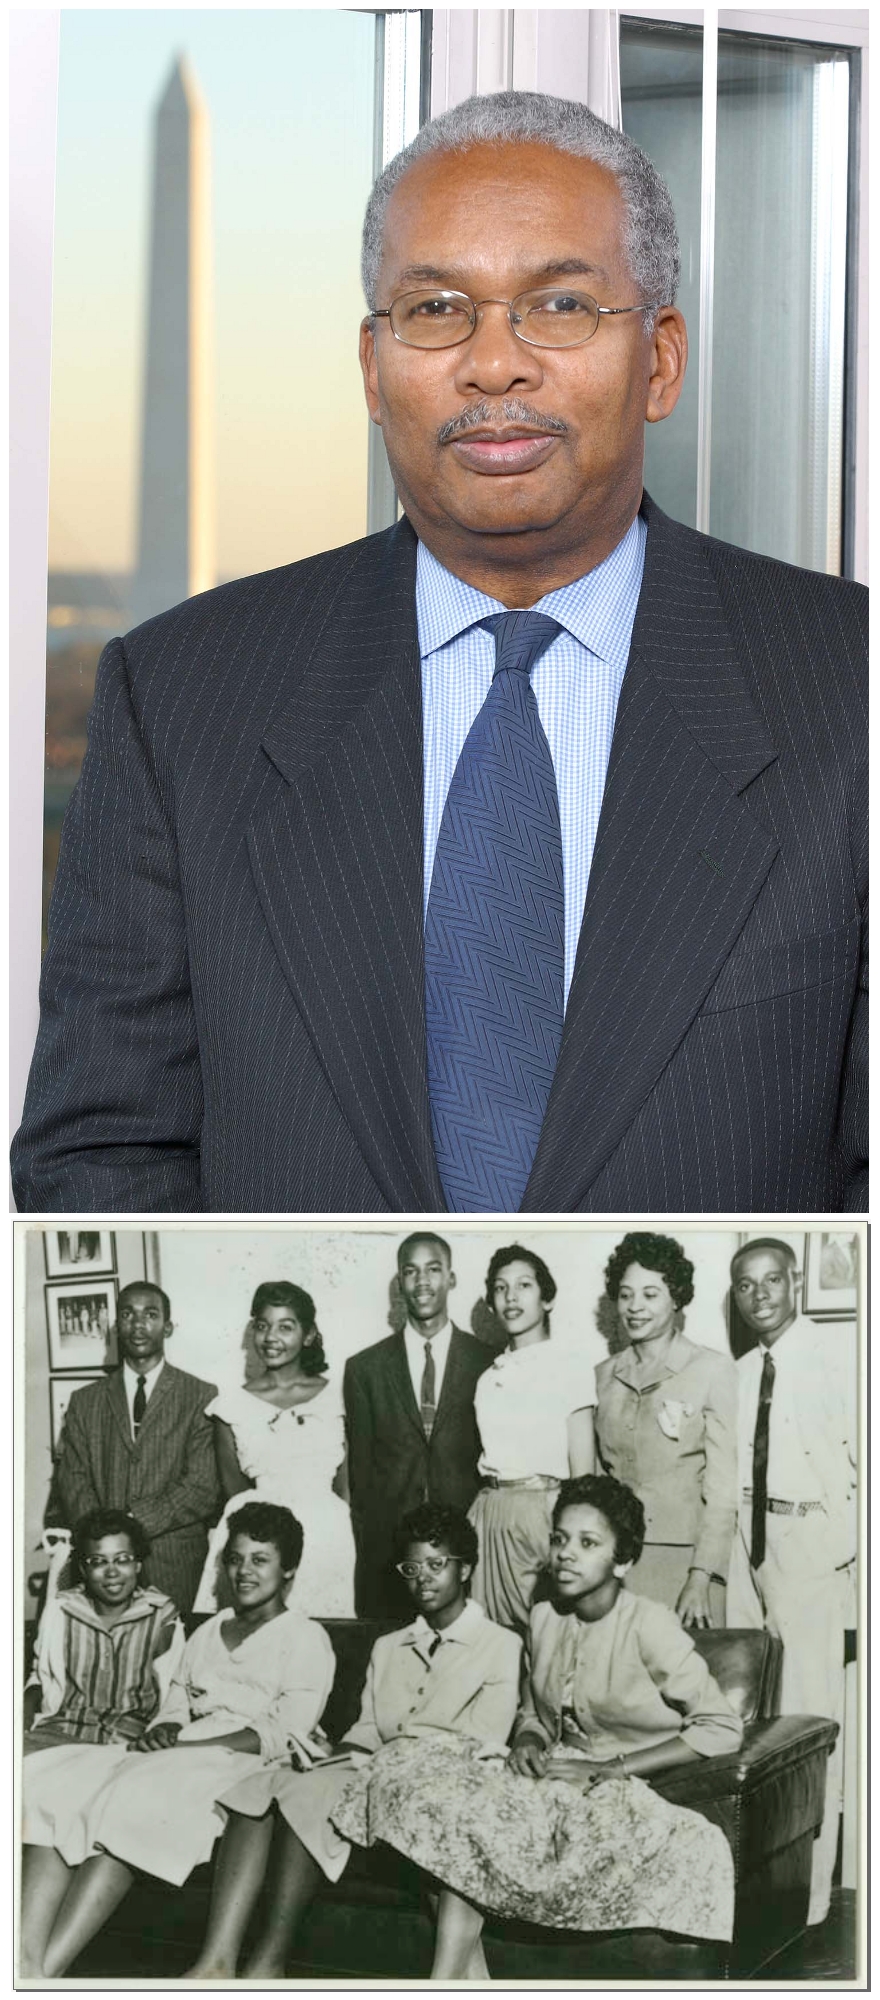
{"x": 546, "y": 317}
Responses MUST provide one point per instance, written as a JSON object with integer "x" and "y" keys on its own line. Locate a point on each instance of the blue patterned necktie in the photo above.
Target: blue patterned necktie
{"x": 494, "y": 937}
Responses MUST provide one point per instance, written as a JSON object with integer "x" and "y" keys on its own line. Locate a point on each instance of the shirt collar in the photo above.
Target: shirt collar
{"x": 787, "y": 1342}
{"x": 678, "y": 1355}
{"x": 417, "y": 1341}
{"x": 150, "y": 1379}
{"x": 463, "y": 1632}
{"x": 590, "y": 608}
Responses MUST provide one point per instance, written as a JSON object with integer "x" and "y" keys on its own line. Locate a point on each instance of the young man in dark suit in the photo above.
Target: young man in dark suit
{"x": 409, "y": 1413}
{"x": 365, "y": 905}
{"x": 140, "y": 1440}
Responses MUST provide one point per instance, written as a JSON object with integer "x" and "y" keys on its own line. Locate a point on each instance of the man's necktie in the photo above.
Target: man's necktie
{"x": 139, "y": 1406}
{"x": 427, "y": 1402}
{"x": 494, "y": 937}
{"x": 759, "y": 1463}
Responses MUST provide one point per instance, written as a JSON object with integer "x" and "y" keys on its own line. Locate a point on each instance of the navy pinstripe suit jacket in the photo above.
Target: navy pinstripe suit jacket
{"x": 168, "y": 1479}
{"x": 233, "y": 1010}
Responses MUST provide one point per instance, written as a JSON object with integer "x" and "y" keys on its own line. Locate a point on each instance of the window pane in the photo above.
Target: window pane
{"x": 661, "y": 79}
{"x": 780, "y": 287}
{"x": 274, "y": 112}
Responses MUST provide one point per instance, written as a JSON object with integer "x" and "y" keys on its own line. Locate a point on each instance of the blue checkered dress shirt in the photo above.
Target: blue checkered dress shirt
{"x": 577, "y": 685}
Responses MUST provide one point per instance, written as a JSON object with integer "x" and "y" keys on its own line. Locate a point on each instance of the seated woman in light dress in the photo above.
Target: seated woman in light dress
{"x": 534, "y": 1411}
{"x": 666, "y": 1424}
{"x": 449, "y": 1675}
{"x": 283, "y": 1434}
{"x": 250, "y": 1681}
{"x": 568, "y": 1831}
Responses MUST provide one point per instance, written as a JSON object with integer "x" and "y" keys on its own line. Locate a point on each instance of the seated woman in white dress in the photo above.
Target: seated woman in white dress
{"x": 450, "y": 1675}
{"x": 104, "y": 1650}
{"x": 251, "y": 1680}
{"x": 534, "y": 1410}
{"x": 569, "y": 1832}
{"x": 283, "y": 1434}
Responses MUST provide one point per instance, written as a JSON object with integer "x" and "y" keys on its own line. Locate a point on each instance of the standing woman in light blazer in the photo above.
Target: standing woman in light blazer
{"x": 666, "y": 1425}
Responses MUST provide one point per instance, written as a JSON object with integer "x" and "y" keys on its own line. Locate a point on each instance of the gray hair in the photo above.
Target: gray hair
{"x": 519, "y": 116}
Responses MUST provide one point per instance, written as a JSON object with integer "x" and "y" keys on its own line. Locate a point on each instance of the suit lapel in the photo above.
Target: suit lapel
{"x": 679, "y": 860}
{"x": 118, "y": 1402}
{"x": 456, "y": 1376}
{"x": 337, "y": 861}
{"x": 400, "y": 1383}
{"x": 157, "y": 1403}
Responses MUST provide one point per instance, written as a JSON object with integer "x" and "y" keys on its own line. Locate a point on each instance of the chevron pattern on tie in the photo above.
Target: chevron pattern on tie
{"x": 494, "y": 937}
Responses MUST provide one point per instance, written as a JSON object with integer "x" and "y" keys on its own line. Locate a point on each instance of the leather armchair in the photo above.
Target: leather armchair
{"x": 375, "y": 1922}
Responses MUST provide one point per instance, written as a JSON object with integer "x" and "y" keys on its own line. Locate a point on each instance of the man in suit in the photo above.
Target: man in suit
{"x": 140, "y": 1440}
{"x": 793, "y": 1561}
{"x": 409, "y": 1418}
{"x": 291, "y": 967}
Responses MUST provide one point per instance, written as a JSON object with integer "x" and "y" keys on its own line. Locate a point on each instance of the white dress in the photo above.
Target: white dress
{"x": 157, "y": 1811}
{"x": 292, "y": 1456}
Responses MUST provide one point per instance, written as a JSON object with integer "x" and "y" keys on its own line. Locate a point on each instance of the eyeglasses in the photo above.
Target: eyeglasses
{"x": 544, "y": 318}
{"x": 108, "y": 1562}
{"x": 433, "y": 1565}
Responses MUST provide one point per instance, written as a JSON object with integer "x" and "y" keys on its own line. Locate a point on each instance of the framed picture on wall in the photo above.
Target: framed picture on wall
{"x": 831, "y": 1272}
{"x": 69, "y": 1251}
{"x": 60, "y": 1392}
{"x": 80, "y": 1318}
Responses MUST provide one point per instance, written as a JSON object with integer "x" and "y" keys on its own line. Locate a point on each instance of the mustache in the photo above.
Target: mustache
{"x": 513, "y": 411}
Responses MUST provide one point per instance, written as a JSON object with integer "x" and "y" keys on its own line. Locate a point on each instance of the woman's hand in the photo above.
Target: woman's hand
{"x": 693, "y": 1603}
{"x": 529, "y": 1759}
{"x": 163, "y": 1737}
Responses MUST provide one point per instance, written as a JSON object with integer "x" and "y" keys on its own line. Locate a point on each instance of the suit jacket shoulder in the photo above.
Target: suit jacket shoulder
{"x": 189, "y": 1385}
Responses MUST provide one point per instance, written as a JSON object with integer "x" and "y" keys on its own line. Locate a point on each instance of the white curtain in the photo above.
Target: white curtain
{"x": 569, "y": 52}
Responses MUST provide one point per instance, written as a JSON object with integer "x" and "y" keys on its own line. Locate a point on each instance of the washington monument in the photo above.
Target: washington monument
{"x": 176, "y": 550}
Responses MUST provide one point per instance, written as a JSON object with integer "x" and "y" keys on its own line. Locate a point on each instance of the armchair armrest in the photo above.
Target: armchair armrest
{"x": 767, "y": 1795}
{"x": 768, "y": 1749}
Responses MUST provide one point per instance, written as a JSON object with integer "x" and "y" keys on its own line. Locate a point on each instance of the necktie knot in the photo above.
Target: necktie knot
{"x": 520, "y": 638}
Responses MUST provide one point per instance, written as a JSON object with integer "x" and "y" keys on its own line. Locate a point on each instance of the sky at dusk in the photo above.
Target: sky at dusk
{"x": 290, "y": 100}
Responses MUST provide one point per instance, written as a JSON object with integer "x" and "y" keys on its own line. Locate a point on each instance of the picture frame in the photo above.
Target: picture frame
{"x": 61, "y": 1388}
{"x": 80, "y": 1318}
{"x": 831, "y": 1273}
{"x": 70, "y": 1251}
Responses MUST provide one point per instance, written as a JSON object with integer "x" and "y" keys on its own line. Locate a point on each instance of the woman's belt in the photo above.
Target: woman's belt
{"x": 537, "y": 1482}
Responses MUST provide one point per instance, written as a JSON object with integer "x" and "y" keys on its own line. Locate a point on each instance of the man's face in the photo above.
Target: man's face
{"x": 560, "y": 432}
{"x": 764, "y": 1284}
{"x": 425, "y": 1280}
{"x": 142, "y": 1328}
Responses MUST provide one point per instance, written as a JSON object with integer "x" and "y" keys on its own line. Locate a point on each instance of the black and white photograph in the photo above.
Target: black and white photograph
{"x": 507, "y": 1621}
{"x": 79, "y": 1319}
{"x": 70, "y": 1251}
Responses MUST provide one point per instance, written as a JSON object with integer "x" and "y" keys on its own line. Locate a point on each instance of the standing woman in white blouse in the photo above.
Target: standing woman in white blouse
{"x": 534, "y": 1410}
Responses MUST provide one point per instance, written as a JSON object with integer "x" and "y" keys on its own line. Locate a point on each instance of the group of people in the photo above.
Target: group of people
{"x": 506, "y": 1443}
{"x": 513, "y": 1808}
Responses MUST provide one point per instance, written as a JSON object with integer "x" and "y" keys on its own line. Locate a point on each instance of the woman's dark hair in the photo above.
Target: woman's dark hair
{"x": 313, "y": 1360}
{"x": 110, "y": 1521}
{"x": 619, "y": 1505}
{"x": 515, "y": 1254}
{"x": 264, "y": 1522}
{"x": 654, "y": 1253}
{"x": 435, "y": 1524}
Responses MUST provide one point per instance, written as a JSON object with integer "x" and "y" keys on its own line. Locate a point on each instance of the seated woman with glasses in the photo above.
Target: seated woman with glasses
{"x": 250, "y": 1680}
{"x": 568, "y": 1831}
{"x": 450, "y": 1674}
{"x": 104, "y": 1651}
